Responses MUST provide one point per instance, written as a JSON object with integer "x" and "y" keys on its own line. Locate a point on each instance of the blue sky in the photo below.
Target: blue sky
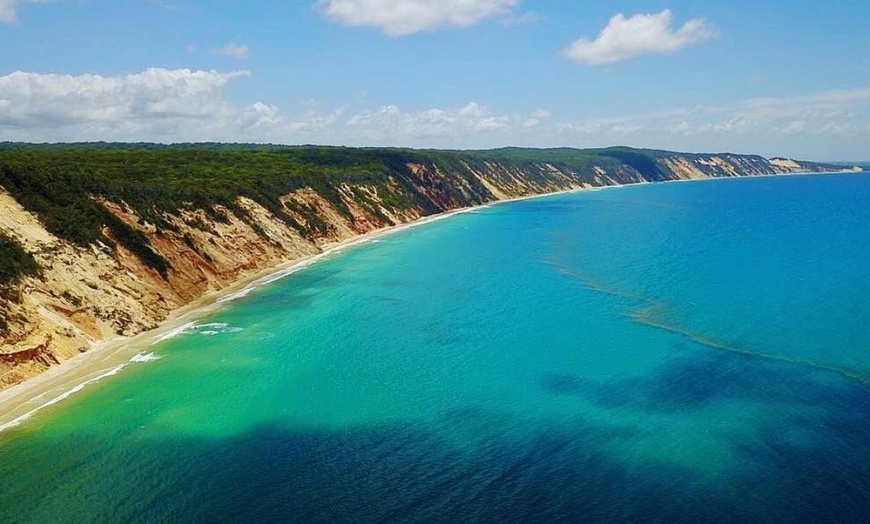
{"x": 770, "y": 77}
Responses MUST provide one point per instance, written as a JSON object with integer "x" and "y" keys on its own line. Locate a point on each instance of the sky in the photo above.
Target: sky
{"x": 771, "y": 77}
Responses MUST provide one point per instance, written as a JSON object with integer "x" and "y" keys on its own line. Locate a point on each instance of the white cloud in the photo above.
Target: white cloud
{"x": 314, "y": 124}
{"x": 625, "y": 38}
{"x": 182, "y": 105}
{"x": 34, "y": 104}
{"x": 473, "y": 109}
{"x": 259, "y": 114}
{"x": 737, "y": 124}
{"x": 795, "y": 127}
{"x": 835, "y": 103}
{"x": 390, "y": 125}
{"x": 8, "y": 9}
{"x": 235, "y": 50}
{"x": 405, "y": 17}
{"x": 154, "y": 105}
{"x": 823, "y": 125}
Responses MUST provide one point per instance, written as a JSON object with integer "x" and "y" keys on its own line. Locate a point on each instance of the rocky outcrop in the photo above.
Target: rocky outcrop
{"x": 89, "y": 294}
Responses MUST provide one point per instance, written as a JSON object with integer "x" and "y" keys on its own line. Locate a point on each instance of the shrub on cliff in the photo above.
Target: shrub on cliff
{"x": 15, "y": 264}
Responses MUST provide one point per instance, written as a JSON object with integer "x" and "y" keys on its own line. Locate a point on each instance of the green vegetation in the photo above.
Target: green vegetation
{"x": 15, "y": 263}
{"x": 66, "y": 209}
{"x": 64, "y": 184}
{"x": 645, "y": 164}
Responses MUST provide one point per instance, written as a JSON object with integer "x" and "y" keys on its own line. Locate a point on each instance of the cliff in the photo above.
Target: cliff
{"x": 105, "y": 240}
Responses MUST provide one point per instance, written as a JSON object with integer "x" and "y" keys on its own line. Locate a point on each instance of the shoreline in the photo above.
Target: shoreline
{"x": 106, "y": 358}
{"x": 109, "y": 357}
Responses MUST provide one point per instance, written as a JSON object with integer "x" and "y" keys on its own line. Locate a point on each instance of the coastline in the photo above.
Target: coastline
{"x": 107, "y": 358}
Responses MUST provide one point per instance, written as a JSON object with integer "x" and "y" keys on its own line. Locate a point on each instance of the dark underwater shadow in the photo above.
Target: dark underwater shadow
{"x": 408, "y": 473}
{"x": 700, "y": 377}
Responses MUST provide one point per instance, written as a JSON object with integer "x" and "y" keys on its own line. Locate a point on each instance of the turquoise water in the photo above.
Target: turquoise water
{"x": 672, "y": 352}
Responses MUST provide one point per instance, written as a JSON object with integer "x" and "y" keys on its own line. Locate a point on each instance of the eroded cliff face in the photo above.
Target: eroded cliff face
{"x": 729, "y": 165}
{"x": 88, "y": 295}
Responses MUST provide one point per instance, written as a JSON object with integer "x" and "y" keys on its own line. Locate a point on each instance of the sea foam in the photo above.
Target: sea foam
{"x": 235, "y": 296}
{"x": 216, "y": 328}
{"x": 144, "y": 357}
{"x": 174, "y": 333}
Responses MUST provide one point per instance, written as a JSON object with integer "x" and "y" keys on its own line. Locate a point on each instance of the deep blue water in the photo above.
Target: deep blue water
{"x": 674, "y": 353}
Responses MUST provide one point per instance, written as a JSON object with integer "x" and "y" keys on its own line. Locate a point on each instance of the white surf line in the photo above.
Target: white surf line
{"x": 139, "y": 358}
{"x": 22, "y": 418}
{"x": 173, "y": 333}
{"x": 235, "y": 296}
{"x": 143, "y": 357}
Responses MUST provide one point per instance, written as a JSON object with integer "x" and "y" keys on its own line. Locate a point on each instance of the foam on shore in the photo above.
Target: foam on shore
{"x": 143, "y": 357}
{"x": 72, "y": 391}
{"x": 173, "y": 333}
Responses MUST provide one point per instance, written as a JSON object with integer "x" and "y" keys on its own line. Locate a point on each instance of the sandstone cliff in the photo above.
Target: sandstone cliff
{"x": 101, "y": 289}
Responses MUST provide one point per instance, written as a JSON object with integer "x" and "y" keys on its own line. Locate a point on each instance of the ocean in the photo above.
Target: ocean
{"x": 680, "y": 352}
